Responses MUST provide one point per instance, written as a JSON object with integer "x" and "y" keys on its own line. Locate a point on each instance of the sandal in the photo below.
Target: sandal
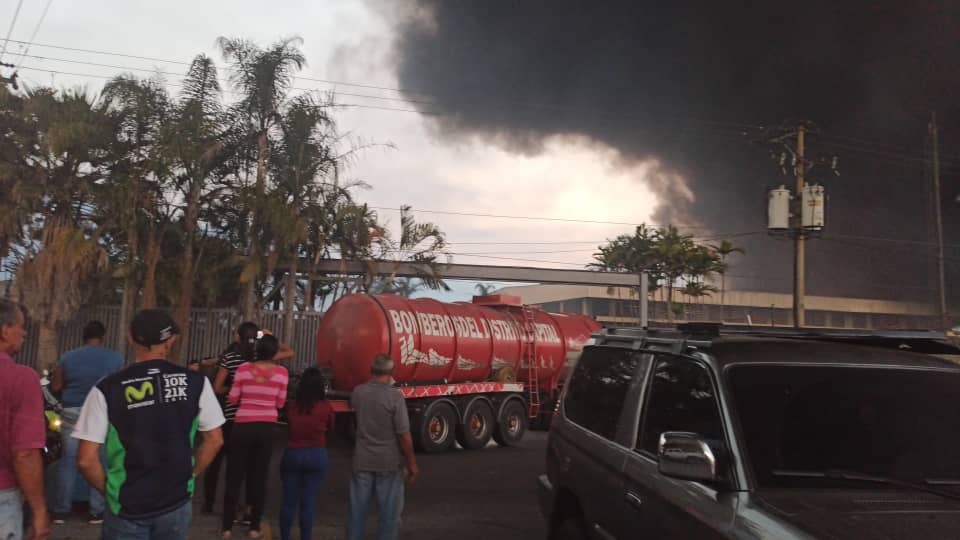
{"x": 226, "y": 535}
{"x": 255, "y": 535}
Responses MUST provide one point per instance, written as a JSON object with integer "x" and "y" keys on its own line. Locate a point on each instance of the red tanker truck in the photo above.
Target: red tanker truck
{"x": 469, "y": 371}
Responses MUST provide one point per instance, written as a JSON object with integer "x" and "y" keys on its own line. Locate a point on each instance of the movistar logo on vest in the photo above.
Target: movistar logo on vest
{"x": 136, "y": 392}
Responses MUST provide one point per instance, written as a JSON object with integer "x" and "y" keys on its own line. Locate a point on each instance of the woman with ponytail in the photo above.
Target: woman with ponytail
{"x": 259, "y": 390}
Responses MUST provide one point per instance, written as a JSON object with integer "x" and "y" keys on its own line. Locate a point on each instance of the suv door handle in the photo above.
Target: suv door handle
{"x": 634, "y": 500}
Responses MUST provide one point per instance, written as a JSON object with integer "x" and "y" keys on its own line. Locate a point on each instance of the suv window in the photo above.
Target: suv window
{"x": 681, "y": 398}
{"x": 598, "y": 388}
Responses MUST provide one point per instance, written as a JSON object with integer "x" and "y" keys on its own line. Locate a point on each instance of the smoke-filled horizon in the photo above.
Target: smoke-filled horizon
{"x": 688, "y": 84}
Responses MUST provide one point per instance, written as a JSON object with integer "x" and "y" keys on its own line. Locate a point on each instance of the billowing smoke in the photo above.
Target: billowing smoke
{"x": 687, "y": 84}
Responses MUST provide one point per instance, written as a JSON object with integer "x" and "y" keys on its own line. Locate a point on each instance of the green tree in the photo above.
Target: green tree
{"x": 194, "y": 141}
{"x": 264, "y": 77}
{"x": 420, "y": 245}
{"x": 484, "y": 289}
{"x": 724, "y": 249}
{"x": 64, "y": 156}
{"x": 131, "y": 206}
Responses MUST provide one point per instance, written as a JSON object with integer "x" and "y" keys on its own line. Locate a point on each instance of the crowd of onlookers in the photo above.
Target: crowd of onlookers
{"x": 143, "y": 434}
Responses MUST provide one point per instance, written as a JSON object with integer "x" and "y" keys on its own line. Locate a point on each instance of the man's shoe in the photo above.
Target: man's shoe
{"x": 58, "y": 519}
{"x": 95, "y": 519}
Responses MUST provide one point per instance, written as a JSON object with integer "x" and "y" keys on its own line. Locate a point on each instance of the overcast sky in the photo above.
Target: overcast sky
{"x": 347, "y": 41}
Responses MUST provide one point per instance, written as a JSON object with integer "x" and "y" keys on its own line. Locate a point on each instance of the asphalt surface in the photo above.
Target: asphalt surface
{"x": 461, "y": 494}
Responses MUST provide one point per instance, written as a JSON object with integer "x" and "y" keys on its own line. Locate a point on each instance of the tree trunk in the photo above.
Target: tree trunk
{"x": 47, "y": 352}
{"x": 185, "y": 302}
{"x": 250, "y": 307}
{"x": 670, "y": 300}
{"x": 289, "y": 300}
{"x": 128, "y": 302}
{"x": 723, "y": 294}
{"x": 127, "y": 305}
{"x": 150, "y": 274}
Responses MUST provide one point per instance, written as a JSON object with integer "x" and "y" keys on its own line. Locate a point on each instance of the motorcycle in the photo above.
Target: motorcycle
{"x": 52, "y": 411}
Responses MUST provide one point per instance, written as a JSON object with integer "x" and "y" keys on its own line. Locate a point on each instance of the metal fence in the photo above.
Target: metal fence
{"x": 211, "y": 331}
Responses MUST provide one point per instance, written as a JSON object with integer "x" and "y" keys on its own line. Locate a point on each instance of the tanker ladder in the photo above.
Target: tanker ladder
{"x": 529, "y": 355}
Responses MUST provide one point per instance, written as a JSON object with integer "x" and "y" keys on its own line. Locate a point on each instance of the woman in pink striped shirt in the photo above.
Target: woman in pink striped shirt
{"x": 260, "y": 389}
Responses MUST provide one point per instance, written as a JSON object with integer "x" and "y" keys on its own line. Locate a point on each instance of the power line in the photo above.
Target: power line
{"x": 33, "y": 35}
{"x": 222, "y": 79}
{"x": 892, "y": 153}
{"x": 581, "y": 265}
{"x": 107, "y": 77}
{"x": 182, "y": 63}
{"x": 525, "y": 218}
{"x": 703, "y": 123}
{"x": 890, "y": 156}
{"x": 13, "y": 23}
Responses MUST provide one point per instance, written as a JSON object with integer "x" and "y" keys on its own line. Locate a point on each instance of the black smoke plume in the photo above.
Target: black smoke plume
{"x": 689, "y": 83}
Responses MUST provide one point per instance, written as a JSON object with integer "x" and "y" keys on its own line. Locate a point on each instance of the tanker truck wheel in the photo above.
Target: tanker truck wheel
{"x": 511, "y": 425}
{"x": 435, "y": 428}
{"x": 476, "y": 431}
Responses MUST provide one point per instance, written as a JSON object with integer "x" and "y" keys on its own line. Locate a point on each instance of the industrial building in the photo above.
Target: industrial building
{"x": 620, "y": 306}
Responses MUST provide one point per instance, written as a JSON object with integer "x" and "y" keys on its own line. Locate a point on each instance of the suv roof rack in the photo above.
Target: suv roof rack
{"x": 677, "y": 339}
{"x": 704, "y": 334}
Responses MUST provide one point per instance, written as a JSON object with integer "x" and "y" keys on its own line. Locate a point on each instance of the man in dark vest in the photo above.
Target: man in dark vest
{"x": 148, "y": 416}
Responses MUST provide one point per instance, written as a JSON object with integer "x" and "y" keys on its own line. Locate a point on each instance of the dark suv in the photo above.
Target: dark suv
{"x": 695, "y": 433}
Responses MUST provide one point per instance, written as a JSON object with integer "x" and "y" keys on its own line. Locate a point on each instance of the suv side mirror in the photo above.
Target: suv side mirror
{"x": 687, "y": 456}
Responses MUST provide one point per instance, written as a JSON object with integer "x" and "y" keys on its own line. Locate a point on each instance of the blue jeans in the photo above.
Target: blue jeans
{"x": 66, "y": 468}
{"x": 11, "y": 514}
{"x": 387, "y": 487}
{"x": 173, "y": 525}
{"x": 303, "y": 471}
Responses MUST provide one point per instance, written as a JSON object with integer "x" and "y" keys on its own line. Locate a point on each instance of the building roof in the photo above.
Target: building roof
{"x": 541, "y": 294}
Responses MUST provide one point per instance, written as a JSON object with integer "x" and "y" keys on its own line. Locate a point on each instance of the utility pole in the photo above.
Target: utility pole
{"x": 799, "y": 257}
{"x": 937, "y": 214}
{"x": 799, "y": 214}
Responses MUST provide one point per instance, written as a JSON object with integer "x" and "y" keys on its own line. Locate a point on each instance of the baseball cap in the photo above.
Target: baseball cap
{"x": 153, "y": 327}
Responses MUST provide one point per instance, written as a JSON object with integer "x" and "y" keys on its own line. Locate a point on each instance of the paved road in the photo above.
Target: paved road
{"x": 461, "y": 494}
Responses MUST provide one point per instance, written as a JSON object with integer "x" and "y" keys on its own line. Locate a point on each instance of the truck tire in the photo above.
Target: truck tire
{"x": 435, "y": 428}
{"x": 512, "y": 424}
{"x": 475, "y": 432}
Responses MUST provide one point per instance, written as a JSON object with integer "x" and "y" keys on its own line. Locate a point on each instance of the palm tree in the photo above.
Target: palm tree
{"x": 194, "y": 141}
{"x": 303, "y": 159}
{"x": 724, "y": 250}
{"x": 484, "y": 289}
{"x": 264, "y": 77}
{"x": 15, "y": 179}
{"x": 673, "y": 250}
{"x": 698, "y": 290}
{"x": 64, "y": 156}
{"x": 420, "y": 245}
{"x": 634, "y": 253}
{"x": 131, "y": 199}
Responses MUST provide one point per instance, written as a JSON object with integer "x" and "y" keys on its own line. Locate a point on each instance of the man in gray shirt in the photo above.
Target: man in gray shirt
{"x": 383, "y": 442}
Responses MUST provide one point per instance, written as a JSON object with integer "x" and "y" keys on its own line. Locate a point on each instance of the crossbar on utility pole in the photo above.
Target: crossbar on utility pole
{"x": 799, "y": 257}
{"x": 942, "y": 288}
